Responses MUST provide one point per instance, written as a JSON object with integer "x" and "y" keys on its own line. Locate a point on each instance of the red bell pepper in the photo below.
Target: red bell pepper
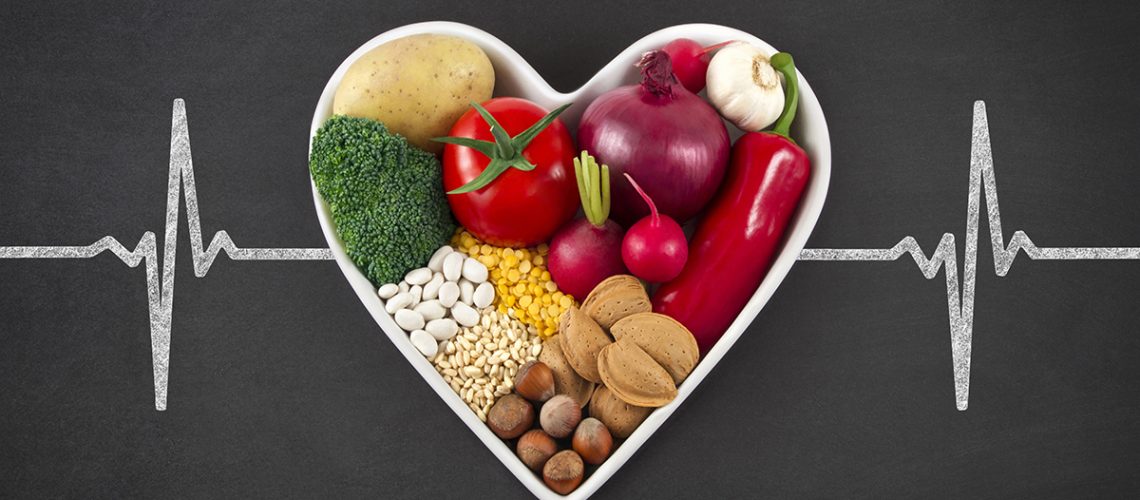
{"x": 737, "y": 239}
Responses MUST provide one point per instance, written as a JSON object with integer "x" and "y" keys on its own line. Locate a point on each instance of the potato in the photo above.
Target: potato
{"x": 418, "y": 86}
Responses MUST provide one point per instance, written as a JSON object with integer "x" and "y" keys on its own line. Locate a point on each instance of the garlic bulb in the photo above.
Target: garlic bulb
{"x": 744, "y": 87}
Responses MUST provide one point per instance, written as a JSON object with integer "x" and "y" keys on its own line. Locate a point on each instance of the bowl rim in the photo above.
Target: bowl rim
{"x": 811, "y": 127}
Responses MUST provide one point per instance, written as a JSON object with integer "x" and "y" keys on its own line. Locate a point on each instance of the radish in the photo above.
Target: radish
{"x": 690, "y": 61}
{"x": 654, "y": 249}
{"x": 588, "y": 249}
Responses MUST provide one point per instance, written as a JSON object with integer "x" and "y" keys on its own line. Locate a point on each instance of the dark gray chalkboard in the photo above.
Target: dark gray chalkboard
{"x": 282, "y": 386}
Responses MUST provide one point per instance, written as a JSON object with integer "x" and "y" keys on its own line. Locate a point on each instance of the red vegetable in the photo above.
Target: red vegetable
{"x": 690, "y": 61}
{"x": 510, "y": 191}
{"x": 672, "y": 141}
{"x": 654, "y": 248}
{"x": 736, "y": 241}
{"x": 587, "y": 250}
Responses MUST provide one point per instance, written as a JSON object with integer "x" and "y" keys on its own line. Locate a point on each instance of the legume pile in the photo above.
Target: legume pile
{"x": 481, "y": 361}
{"x": 523, "y": 285}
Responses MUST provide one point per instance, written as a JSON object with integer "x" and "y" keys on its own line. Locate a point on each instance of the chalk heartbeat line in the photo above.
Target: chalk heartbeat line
{"x": 960, "y": 294}
{"x": 160, "y": 287}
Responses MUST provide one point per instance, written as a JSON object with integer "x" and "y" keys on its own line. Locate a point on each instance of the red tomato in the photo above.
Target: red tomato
{"x": 519, "y": 208}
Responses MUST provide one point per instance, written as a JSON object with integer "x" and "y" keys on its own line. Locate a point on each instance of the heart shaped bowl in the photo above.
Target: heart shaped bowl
{"x": 515, "y": 77}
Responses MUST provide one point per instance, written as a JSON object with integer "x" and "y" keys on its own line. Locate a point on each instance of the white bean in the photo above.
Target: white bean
{"x": 435, "y": 263}
{"x": 431, "y": 289}
{"x": 431, "y": 309}
{"x": 416, "y": 292}
{"x": 424, "y": 343}
{"x": 448, "y": 294}
{"x": 483, "y": 295}
{"x": 474, "y": 271}
{"x": 464, "y": 314}
{"x": 442, "y": 329}
{"x": 453, "y": 266}
{"x": 388, "y": 291}
{"x": 418, "y": 276}
{"x": 466, "y": 292}
{"x": 398, "y": 302}
{"x": 404, "y": 286}
{"x": 409, "y": 320}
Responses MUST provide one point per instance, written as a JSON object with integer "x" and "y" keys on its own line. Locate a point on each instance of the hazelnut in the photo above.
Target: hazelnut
{"x": 563, "y": 472}
{"x": 510, "y": 417}
{"x": 535, "y": 381}
{"x": 559, "y": 416}
{"x": 535, "y": 448}
{"x": 593, "y": 441}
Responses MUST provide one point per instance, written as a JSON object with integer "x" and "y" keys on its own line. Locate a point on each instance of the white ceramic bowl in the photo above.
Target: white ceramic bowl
{"x": 515, "y": 77}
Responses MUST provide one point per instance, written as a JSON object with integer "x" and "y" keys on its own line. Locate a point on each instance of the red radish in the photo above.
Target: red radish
{"x": 588, "y": 249}
{"x": 690, "y": 61}
{"x": 654, "y": 249}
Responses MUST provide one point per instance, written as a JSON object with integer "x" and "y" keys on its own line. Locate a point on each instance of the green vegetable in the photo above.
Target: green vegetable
{"x": 593, "y": 188}
{"x": 385, "y": 195}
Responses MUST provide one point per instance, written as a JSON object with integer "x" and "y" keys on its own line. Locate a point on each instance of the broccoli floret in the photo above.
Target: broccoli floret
{"x": 386, "y": 196}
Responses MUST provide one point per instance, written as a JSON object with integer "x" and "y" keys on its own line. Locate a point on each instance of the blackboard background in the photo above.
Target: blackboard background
{"x": 282, "y": 386}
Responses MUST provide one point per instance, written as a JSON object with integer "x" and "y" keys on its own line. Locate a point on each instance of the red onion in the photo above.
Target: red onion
{"x": 670, "y": 139}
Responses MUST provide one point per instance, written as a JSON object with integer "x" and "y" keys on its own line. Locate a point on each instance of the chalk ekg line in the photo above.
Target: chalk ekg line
{"x": 945, "y": 256}
{"x": 959, "y": 293}
{"x": 160, "y": 287}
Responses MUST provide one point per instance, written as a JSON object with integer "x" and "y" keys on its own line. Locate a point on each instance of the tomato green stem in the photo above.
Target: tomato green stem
{"x": 503, "y": 142}
{"x": 783, "y": 63}
{"x": 505, "y": 152}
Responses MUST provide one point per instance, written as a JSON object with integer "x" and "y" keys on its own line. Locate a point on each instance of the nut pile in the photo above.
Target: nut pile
{"x": 481, "y": 361}
{"x": 615, "y": 340}
{"x": 617, "y": 357}
{"x": 433, "y": 302}
{"x": 612, "y": 362}
{"x": 523, "y": 284}
{"x": 563, "y": 400}
{"x": 559, "y": 419}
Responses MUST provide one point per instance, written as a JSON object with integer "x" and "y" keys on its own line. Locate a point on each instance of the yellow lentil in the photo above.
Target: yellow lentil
{"x": 524, "y": 287}
{"x": 488, "y": 260}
